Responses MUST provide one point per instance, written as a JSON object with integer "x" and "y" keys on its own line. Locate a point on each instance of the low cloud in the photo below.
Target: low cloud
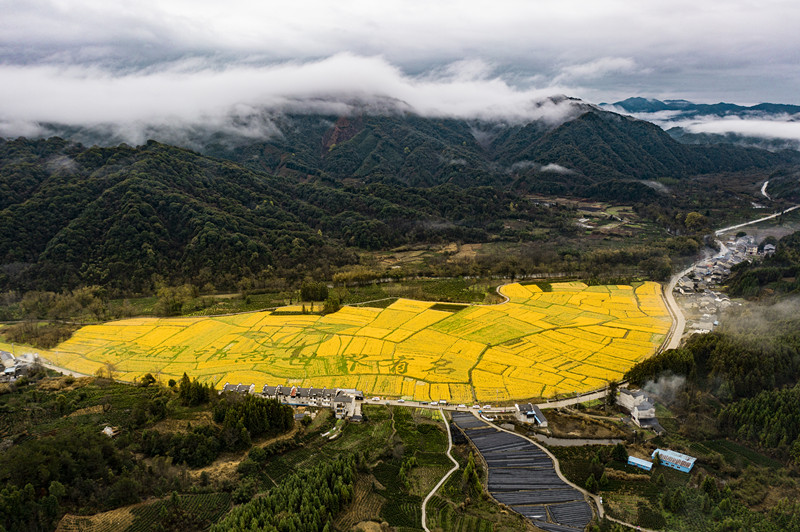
{"x": 750, "y": 124}
{"x": 191, "y": 94}
{"x": 784, "y": 127}
{"x": 666, "y": 388}
{"x": 532, "y": 165}
{"x": 557, "y": 168}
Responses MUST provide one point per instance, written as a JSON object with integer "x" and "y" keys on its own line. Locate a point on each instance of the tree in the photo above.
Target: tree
{"x": 591, "y": 484}
{"x": 171, "y": 299}
{"x": 611, "y": 396}
{"x": 312, "y": 291}
{"x": 619, "y": 453}
{"x": 695, "y": 221}
{"x": 331, "y": 305}
{"x": 709, "y": 486}
{"x": 678, "y": 502}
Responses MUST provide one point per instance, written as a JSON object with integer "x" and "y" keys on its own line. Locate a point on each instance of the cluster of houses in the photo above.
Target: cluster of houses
{"x": 714, "y": 271}
{"x": 345, "y": 402}
{"x": 703, "y": 301}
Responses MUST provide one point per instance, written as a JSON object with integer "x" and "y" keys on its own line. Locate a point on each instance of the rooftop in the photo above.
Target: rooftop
{"x": 674, "y": 457}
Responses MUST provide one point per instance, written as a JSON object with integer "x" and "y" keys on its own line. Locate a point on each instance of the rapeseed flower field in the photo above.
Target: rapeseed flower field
{"x": 573, "y": 338}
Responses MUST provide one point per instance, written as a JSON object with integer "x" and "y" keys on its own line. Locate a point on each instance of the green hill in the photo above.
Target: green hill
{"x": 126, "y": 217}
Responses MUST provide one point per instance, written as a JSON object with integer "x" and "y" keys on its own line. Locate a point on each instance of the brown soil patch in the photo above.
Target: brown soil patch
{"x": 118, "y": 519}
{"x": 467, "y": 252}
{"x": 179, "y": 425}
{"x": 566, "y": 425}
{"x": 402, "y": 257}
{"x": 367, "y": 526}
{"x": 616, "y": 474}
{"x": 97, "y": 409}
{"x": 451, "y": 248}
{"x": 66, "y": 384}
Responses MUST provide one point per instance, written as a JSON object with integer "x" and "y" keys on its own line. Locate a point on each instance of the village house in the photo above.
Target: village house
{"x": 530, "y": 413}
{"x": 675, "y": 460}
{"x": 641, "y": 408}
{"x": 238, "y": 388}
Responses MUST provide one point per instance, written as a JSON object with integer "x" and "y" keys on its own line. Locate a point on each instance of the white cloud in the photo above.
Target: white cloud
{"x": 599, "y": 50}
{"x": 191, "y": 92}
{"x": 551, "y": 167}
{"x": 557, "y": 168}
{"x": 748, "y": 127}
{"x": 596, "y": 69}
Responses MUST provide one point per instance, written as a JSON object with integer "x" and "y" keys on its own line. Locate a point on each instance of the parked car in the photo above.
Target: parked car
{"x": 376, "y": 399}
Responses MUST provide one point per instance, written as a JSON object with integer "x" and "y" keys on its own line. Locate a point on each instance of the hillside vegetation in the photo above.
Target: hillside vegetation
{"x": 313, "y": 199}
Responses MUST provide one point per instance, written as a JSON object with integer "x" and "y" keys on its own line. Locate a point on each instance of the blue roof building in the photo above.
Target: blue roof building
{"x": 675, "y": 460}
{"x": 638, "y": 462}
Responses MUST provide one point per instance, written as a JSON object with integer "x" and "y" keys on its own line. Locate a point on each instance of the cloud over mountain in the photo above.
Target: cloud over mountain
{"x": 194, "y": 93}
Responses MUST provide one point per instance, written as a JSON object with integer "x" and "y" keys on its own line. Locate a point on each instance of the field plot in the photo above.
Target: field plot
{"x": 523, "y": 477}
{"x": 538, "y": 344}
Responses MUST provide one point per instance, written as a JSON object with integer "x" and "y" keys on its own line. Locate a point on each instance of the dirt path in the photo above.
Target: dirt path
{"x": 444, "y": 478}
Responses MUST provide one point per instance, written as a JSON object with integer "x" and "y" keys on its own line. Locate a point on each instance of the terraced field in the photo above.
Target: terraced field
{"x": 524, "y": 478}
{"x": 571, "y": 339}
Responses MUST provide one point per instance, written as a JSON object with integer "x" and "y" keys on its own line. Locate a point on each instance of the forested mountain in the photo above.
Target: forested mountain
{"x": 316, "y": 189}
{"x": 125, "y": 217}
{"x": 672, "y": 113}
{"x": 594, "y": 147}
{"x": 689, "y": 109}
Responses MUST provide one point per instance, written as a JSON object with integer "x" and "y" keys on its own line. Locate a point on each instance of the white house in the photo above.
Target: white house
{"x": 530, "y": 413}
{"x": 642, "y": 410}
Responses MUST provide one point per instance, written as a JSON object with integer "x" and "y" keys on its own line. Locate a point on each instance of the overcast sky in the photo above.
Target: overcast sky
{"x": 102, "y": 61}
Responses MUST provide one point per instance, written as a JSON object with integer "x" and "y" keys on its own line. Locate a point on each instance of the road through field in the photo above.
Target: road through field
{"x": 765, "y": 218}
{"x": 444, "y": 478}
{"x": 678, "y": 319}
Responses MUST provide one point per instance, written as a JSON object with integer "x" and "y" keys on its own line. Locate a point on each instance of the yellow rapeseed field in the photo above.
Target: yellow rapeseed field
{"x": 572, "y": 338}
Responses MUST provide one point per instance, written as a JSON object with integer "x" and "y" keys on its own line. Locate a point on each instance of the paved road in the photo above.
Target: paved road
{"x": 765, "y": 218}
{"x": 444, "y": 478}
{"x": 764, "y": 190}
{"x": 675, "y": 334}
{"x": 64, "y": 371}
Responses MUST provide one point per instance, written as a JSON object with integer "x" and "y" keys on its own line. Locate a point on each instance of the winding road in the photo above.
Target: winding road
{"x": 444, "y": 478}
{"x": 764, "y": 190}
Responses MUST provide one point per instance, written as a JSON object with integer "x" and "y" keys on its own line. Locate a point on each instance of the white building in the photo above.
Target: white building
{"x": 530, "y": 413}
{"x": 642, "y": 410}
